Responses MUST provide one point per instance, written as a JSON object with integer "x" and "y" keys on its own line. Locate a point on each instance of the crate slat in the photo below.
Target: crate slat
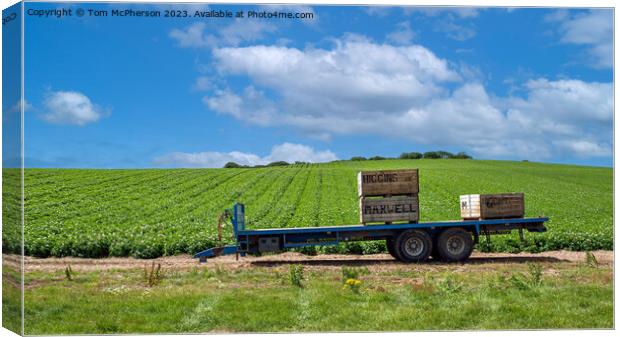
{"x": 390, "y": 209}
{"x": 387, "y": 183}
{"x": 492, "y": 206}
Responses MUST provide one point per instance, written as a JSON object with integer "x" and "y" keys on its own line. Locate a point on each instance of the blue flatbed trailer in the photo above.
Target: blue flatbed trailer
{"x": 408, "y": 242}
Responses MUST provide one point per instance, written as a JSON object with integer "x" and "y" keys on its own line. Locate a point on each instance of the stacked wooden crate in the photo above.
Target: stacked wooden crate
{"x": 492, "y": 206}
{"x": 388, "y": 196}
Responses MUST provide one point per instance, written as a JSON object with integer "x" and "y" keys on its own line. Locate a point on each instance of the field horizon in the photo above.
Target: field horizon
{"x": 153, "y": 212}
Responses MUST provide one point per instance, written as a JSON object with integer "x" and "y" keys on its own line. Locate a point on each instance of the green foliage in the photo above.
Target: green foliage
{"x": 377, "y": 158}
{"x": 232, "y": 164}
{"x": 352, "y": 273}
{"x": 254, "y": 299}
{"x": 150, "y": 213}
{"x": 533, "y": 279}
{"x": 431, "y": 155}
{"x": 411, "y": 155}
{"x": 358, "y": 158}
{"x": 461, "y": 155}
{"x": 278, "y": 163}
{"x": 449, "y": 285}
{"x": 296, "y": 275}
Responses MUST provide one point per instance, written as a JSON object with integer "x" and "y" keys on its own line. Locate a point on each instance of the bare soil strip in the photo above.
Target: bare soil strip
{"x": 376, "y": 262}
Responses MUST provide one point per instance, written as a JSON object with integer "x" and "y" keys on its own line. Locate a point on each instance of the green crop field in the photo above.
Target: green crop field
{"x": 154, "y": 212}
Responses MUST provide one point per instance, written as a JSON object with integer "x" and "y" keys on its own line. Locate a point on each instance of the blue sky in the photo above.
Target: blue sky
{"x": 124, "y": 92}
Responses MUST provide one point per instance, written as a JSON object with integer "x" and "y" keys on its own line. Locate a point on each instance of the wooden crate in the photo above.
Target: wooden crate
{"x": 492, "y": 206}
{"x": 390, "y": 209}
{"x": 387, "y": 183}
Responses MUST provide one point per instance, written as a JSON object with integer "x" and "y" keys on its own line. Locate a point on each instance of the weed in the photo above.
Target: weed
{"x": 450, "y": 285}
{"x": 153, "y": 276}
{"x": 353, "y": 273}
{"x": 353, "y": 284}
{"x": 296, "y": 275}
{"x": 528, "y": 281}
{"x": 535, "y": 274}
{"x": 591, "y": 260}
{"x": 69, "y": 273}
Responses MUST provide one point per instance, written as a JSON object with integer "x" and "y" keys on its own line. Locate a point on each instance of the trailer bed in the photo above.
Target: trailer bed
{"x": 527, "y": 223}
{"x": 396, "y": 235}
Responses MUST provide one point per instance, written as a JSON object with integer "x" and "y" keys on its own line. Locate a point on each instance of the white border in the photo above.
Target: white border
{"x": 476, "y": 3}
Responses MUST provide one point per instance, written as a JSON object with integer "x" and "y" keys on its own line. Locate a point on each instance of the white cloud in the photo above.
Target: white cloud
{"x": 239, "y": 31}
{"x": 17, "y": 107}
{"x": 378, "y": 10}
{"x": 203, "y": 83}
{"x": 593, "y": 29}
{"x": 585, "y": 148}
{"x": 455, "y": 31}
{"x": 361, "y": 87}
{"x": 192, "y": 36}
{"x": 403, "y": 33}
{"x": 356, "y": 76}
{"x": 454, "y": 22}
{"x": 283, "y": 152}
{"x": 460, "y": 12}
{"x": 70, "y": 107}
{"x": 13, "y": 112}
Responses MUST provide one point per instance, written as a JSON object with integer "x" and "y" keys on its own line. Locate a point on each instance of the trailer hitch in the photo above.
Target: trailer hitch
{"x": 214, "y": 252}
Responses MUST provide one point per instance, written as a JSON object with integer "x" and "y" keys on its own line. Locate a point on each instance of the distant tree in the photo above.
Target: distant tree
{"x": 445, "y": 154}
{"x": 278, "y": 163}
{"x": 301, "y": 163}
{"x": 232, "y": 164}
{"x": 377, "y": 158}
{"x": 431, "y": 155}
{"x": 358, "y": 158}
{"x": 258, "y": 166}
{"x": 462, "y": 155}
{"x": 410, "y": 155}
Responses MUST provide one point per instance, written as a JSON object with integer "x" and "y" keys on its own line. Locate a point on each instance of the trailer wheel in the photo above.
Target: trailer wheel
{"x": 454, "y": 245}
{"x": 414, "y": 245}
{"x": 391, "y": 248}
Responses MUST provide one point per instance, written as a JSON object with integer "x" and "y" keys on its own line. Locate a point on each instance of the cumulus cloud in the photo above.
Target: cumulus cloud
{"x": 239, "y": 31}
{"x": 70, "y": 107}
{"x": 362, "y": 87}
{"x": 593, "y": 29}
{"x": 283, "y": 152}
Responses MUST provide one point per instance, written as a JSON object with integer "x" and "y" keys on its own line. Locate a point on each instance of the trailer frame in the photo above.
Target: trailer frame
{"x": 259, "y": 241}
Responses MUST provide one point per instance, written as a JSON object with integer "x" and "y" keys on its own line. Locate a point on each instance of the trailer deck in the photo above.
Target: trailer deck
{"x": 409, "y": 242}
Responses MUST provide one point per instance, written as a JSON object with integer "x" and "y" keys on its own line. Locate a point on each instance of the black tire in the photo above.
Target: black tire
{"x": 454, "y": 245}
{"x": 414, "y": 245}
{"x": 391, "y": 248}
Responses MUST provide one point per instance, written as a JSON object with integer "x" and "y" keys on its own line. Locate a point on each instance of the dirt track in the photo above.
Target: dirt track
{"x": 478, "y": 261}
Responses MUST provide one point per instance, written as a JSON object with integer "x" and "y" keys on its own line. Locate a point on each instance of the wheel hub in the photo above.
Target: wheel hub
{"x": 456, "y": 245}
{"x": 414, "y": 246}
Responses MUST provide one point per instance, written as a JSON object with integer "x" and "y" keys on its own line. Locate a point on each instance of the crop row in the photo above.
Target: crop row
{"x": 149, "y": 213}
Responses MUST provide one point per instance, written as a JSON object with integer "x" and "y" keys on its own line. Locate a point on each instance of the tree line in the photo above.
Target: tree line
{"x": 404, "y": 155}
{"x": 419, "y": 155}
